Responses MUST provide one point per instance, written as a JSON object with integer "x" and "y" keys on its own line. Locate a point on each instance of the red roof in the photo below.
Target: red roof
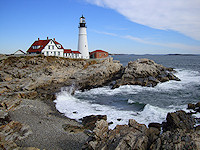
{"x": 42, "y": 44}
{"x": 67, "y": 51}
{"x": 59, "y": 44}
{"x": 76, "y": 52}
{"x": 98, "y": 51}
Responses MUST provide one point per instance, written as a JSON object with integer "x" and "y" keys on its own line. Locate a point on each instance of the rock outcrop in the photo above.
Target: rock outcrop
{"x": 40, "y": 77}
{"x": 145, "y": 72}
{"x": 12, "y": 132}
{"x": 178, "y": 132}
{"x": 89, "y": 121}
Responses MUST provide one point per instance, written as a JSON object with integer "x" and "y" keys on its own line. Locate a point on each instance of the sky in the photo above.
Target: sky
{"x": 116, "y": 26}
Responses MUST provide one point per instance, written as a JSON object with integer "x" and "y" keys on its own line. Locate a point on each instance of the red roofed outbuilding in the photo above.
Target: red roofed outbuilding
{"x": 67, "y": 51}
{"x": 98, "y": 54}
{"x": 76, "y": 54}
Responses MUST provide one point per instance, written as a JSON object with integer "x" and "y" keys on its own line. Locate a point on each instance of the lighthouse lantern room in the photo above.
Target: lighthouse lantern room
{"x": 82, "y": 39}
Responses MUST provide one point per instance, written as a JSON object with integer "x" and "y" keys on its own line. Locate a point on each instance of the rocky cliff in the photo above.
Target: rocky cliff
{"x": 145, "y": 72}
{"x": 39, "y": 78}
{"x": 31, "y": 76}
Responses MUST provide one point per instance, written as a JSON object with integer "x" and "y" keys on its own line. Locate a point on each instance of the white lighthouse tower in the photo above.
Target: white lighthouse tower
{"x": 82, "y": 39}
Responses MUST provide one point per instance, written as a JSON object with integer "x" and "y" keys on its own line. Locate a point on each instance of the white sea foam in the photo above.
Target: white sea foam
{"x": 76, "y": 109}
{"x": 130, "y": 101}
{"x": 187, "y": 77}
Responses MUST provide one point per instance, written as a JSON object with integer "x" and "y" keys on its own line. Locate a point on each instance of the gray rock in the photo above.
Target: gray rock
{"x": 179, "y": 119}
{"x": 180, "y": 135}
{"x": 132, "y": 136}
{"x": 145, "y": 72}
{"x": 179, "y": 139}
{"x": 89, "y": 122}
{"x": 4, "y": 117}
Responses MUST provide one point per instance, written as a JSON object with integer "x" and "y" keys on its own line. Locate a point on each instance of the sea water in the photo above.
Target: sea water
{"x": 144, "y": 104}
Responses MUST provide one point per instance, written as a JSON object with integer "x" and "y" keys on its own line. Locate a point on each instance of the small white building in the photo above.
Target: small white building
{"x": 19, "y": 52}
{"x": 50, "y": 47}
{"x": 68, "y": 53}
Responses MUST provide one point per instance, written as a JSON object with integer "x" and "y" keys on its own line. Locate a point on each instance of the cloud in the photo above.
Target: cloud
{"x": 144, "y": 41}
{"x": 182, "y": 16}
{"x": 169, "y": 45}
{"x": 106, "y": 33}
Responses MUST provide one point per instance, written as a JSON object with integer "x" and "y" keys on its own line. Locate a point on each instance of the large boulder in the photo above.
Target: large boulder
{"x": 90, "y": 121}
{"x": 177, "y": 133}
{"x": 178, "y": 120}
{"x": 145, "y": 72}
{"x": 132, "y": 136}
{"x": 176, "y": 140}
{"x": 98, "y": 75}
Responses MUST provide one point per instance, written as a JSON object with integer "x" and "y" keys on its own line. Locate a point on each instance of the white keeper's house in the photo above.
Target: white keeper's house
{"x": 50, "y": 47}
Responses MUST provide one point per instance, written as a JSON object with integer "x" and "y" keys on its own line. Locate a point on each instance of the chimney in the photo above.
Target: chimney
{"x": 47, "y": 37}
{"x": 38, "y": 39}
{"x": 54, "y": 39}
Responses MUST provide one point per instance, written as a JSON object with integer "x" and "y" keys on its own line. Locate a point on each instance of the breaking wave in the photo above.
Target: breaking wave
{"x": 84, "y": 103}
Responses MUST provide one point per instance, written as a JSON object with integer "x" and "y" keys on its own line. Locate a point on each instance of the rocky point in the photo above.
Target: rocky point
{"x": 145, "y": 72}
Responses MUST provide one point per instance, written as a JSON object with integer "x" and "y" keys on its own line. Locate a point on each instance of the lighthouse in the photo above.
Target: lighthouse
{"x": 82, "y": 39}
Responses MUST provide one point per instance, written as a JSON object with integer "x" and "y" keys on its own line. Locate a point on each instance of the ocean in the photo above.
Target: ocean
{"x": 144, "y": 104}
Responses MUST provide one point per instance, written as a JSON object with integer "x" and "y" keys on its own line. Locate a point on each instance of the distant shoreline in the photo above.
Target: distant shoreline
{"x": 160, "y": 54}
{"x": 183, "y": 54}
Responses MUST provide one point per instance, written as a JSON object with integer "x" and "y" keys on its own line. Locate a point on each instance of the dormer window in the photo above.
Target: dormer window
{"x": 59, "y": 46}
{"x": 36, "y": 47}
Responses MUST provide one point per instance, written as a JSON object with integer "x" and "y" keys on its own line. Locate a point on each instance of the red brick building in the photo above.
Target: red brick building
{"x": 98, "y": 54}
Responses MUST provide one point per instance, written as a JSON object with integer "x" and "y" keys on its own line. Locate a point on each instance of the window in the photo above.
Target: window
{"x": 49, "y": 47}
{"x": 47, "y": 53}
{"x": 58, "y": 53}
{"x": 52, "y": 47}
{"x": 54, "y": 53}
